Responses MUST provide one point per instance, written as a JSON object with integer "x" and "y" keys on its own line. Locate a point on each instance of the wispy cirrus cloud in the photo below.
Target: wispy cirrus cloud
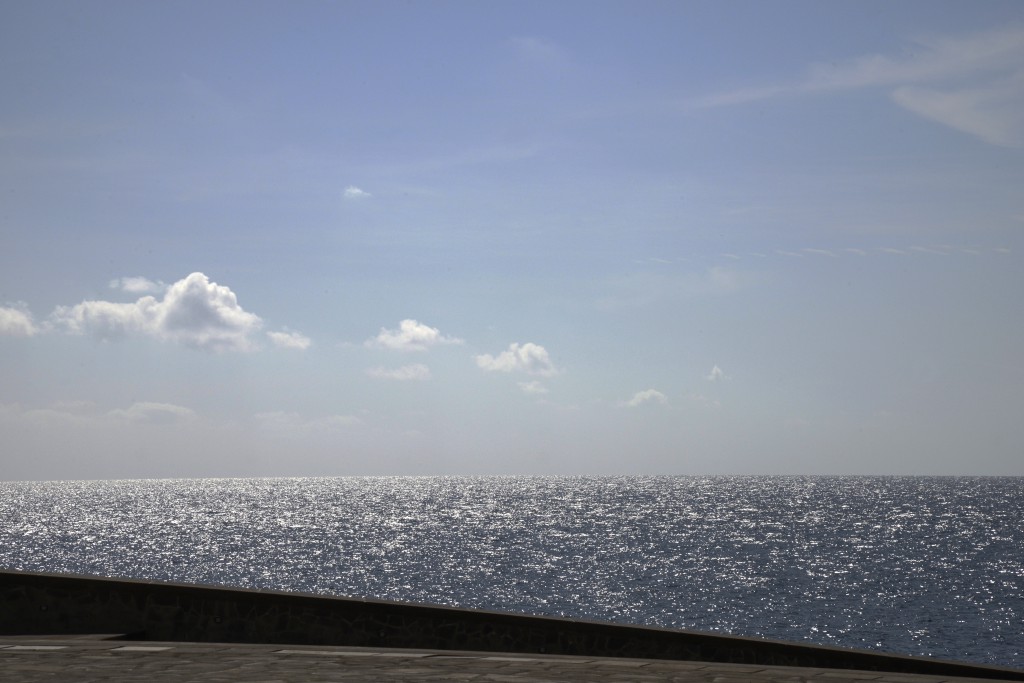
{"x": 993, "y": 112}
{"x": 818, "y": 252}
{"x": 838, "y": 253}
{"x": 973, "y": 83}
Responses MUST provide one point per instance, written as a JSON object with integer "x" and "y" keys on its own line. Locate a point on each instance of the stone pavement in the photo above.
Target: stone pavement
{"x": 91, "y": 659}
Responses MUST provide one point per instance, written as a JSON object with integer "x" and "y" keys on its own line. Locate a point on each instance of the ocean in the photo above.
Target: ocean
{"x": 911, "y": 565}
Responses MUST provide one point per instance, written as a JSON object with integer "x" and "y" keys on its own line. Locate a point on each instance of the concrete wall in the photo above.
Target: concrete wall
{"x": 32, "y": 603}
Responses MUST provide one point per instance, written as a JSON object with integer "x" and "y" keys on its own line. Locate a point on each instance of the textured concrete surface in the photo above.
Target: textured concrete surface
{"x": 93, "y": 660}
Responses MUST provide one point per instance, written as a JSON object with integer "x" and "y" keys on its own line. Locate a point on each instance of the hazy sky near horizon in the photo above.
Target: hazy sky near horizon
{"x": 346, "y": 238}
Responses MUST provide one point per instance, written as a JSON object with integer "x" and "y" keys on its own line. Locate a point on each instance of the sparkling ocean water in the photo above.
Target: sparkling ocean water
{"x": 922, "y": 566}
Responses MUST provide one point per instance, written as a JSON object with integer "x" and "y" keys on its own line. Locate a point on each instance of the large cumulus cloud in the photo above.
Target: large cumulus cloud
{"x": 194, "y": 312}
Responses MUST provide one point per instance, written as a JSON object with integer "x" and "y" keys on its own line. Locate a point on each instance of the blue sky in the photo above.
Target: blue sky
{"x": 246, "y": 239}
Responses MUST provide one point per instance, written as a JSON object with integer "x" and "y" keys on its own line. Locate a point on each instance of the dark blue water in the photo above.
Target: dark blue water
{"x": 924, "y": 566}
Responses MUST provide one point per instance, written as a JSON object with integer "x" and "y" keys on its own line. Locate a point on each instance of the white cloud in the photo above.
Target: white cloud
{"x": 290, "y": 340}
{"x": 16, "y": 322}
{"x": 45, "y": 417}
{"x": 153, "y": 413}
{"x": 983, "y": 74}
{"x": 994, "y": 112}
{"x": 194, "y": 312}
{"x": 645, "y": 396}
{"x": 87, "y": 413}
{"x": 137, "y": 285}
{"x": 533, "y": 387}
{"x": 530, "y": 358}
{"x": 353, "y": 192}
{"x": 417, "y": 371}
{"x": 716, "y": 375}
{"x": 410, "y": 336}
{"x": 931, "y": 59}
{"x": 929, "y": 250}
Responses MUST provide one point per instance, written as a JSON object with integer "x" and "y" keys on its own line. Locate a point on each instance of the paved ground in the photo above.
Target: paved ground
{"x": 91, "y": 659}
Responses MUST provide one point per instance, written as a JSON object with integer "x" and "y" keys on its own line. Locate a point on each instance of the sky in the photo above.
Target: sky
{"x": 513, "y": 238}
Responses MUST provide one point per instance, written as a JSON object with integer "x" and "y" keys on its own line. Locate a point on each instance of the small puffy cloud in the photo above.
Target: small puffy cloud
{"x": 716, "y": 375}
{"x": 194, "y": 312}
{"x": 353, "y": 192}
{"x": 16, "y": 322}
{"x": 533, "y": 359}
{"x": 646, "y": 396}
{"x": 533, "y": 387}
{"x": 137, "y": 285}
{"x": 411, "y": 335}
{"x": 290, "y": 340}
{"x": 153, "y": 413}
{"x": 415, "y": 372}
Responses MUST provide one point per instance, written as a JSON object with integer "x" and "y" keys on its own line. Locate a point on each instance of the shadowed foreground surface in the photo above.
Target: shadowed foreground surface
{"x": 32, "y": 659}
{"x": 283, "y": 628}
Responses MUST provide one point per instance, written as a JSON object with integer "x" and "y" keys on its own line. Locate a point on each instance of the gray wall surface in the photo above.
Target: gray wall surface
{"x": 38, "y": 604}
